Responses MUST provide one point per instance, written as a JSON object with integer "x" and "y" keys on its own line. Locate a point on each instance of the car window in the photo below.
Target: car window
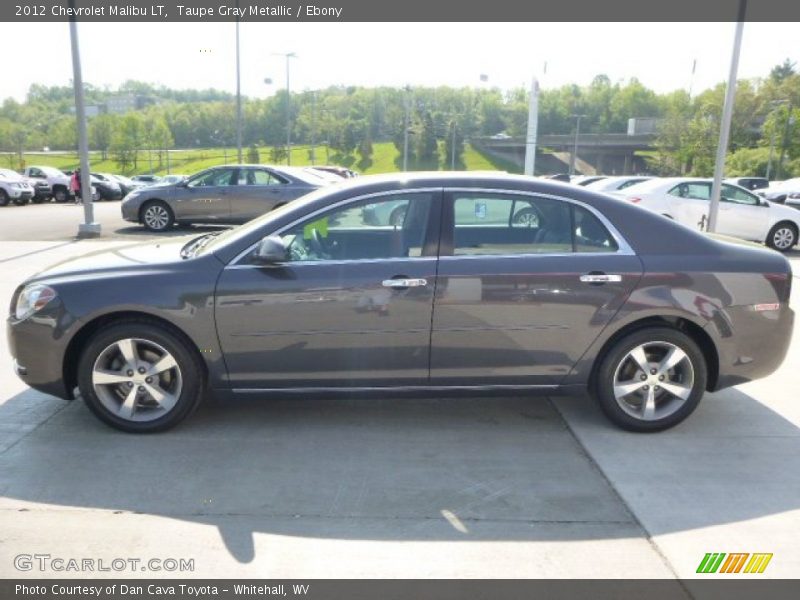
{"x": 509, "y": 224}
{"x": 368, "y": 229}
{"x": 257, "y": 177}
{"x": 590, "y": 234}
{"x": 738, "y": 196}
{"x": 216, "y": 177}
{"x": 695, "y": 190}
{"x": 629, "y": 183}
{"x": 36, "y": 173}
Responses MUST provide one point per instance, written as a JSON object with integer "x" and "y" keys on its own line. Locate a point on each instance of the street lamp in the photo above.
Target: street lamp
{"x": 238, "y": 93}
{"x": 287, "y": 56}
{"x": 574, "y": 156}
{"x": 406, "y": 125}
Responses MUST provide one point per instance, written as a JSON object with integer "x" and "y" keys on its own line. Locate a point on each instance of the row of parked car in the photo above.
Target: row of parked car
{"x": 751, "y": 208}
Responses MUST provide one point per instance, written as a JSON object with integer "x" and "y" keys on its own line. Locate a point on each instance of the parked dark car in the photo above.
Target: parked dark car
{"x": 585, "y": 294}
{"x": 126, "y": 184}
{"x": 107, "y": 187}
{"x": 146, "y": 179}
{"x": 229, "y": 194}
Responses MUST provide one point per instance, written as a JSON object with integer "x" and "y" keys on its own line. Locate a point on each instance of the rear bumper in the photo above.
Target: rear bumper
{"x": 751, "y": 344}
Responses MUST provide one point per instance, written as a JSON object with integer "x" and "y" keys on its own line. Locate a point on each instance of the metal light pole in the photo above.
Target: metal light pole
{"x": 574, "y": 156}
{"x": 88, "y": 228}
{"x": 238, "y": 93}
{"x": 288, "y": 56}
{"x": 453, "y": 147}
{"x": 533, "y": 126}
{"x": 725, "y": 125}
{"x": 314, "y": 129}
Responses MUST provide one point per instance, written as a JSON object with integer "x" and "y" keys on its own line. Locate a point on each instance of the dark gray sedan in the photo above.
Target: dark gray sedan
{"x": 462, "y": 296}
{"x": 230, "y": 194}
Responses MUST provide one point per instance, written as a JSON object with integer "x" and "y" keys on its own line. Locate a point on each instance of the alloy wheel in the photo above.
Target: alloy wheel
{"x": 156, "y": 217}
{"x": 653, "y": 380}
{"x": 783, "y": 238}
{"x": 137, "y": 379}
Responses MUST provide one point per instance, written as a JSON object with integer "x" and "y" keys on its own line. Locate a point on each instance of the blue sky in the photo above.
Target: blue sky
{"x": 185, "y": 55}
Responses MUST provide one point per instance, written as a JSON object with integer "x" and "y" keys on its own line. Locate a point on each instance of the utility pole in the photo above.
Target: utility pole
{"x": 533, "y": 126}
{"x": 88, "y": 228}
{"x": 405, "y": 128}
{"x": 574, "y": 156}
{"x": 453, "y": 147}
{"x": 238, "y": 93}
{"x": 786, "y": 130}
{"x": 725, "y": 125}
{"x": 314, "y": 129}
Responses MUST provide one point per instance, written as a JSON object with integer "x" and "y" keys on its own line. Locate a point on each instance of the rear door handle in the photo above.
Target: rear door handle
{"x": 600, "y": 278}
{"x": 404, "y": 283}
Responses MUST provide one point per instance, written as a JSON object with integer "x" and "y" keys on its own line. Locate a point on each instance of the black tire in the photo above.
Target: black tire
{"x": 527, "y": 216}
{"x": 398, "y": 216}
{"x": 616, "y": 358}
{"x": 60, "y": 194}
{"x": 783, "y": 236}
{"x": 153, "y": 209}
{"x": 37, "y": 199}
{"x": 3, "y": 198}
{"x": 191, "y": 376}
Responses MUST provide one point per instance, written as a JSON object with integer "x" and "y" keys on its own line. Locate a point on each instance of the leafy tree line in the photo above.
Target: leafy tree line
{"x": 350, "y": 119}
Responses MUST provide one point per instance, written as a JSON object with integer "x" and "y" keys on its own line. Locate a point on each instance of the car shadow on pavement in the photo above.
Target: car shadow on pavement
{"x": 413, "y": 469}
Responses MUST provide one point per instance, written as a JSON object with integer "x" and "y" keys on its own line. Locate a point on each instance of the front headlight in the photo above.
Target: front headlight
{"x": 32, "y": 299}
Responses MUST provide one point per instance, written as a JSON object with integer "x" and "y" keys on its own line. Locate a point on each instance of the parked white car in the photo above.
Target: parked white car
{"x": 14, "y": 188}
{"x": 58, "y": 181}
{"x": 612, "y": 185}
{"x": 742, "y": 214}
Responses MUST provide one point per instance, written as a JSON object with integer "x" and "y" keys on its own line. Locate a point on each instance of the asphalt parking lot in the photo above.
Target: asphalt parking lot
{"x": 510, "y": 487}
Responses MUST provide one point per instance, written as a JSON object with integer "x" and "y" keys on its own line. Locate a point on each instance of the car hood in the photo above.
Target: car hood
{"x": 152, "y": 256}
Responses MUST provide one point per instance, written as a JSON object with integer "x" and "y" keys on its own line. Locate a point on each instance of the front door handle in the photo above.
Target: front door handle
{"x": 600, "y": 278}
{"x": 404, "y": 283}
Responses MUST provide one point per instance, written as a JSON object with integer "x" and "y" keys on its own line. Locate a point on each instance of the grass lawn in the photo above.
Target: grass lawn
{"x": 385, "y": 159}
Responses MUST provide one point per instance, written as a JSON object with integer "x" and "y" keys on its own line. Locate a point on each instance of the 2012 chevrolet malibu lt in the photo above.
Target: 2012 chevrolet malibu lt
{"x": 488, "y": 283}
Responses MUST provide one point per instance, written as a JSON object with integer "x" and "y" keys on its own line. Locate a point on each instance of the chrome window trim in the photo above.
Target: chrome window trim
{"x": 623, "y": 248}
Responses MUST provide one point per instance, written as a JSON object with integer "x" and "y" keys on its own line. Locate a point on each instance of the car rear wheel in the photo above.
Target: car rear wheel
{"x": 527, "y": 217}
{"x": 3, "y": 198}
{"x": 140, "y": 377}
{"x": 157, "y": 216}
{"x": 651, "y": 379}
{"x": 60, "y": 194}
{"x": 782, "y": 237}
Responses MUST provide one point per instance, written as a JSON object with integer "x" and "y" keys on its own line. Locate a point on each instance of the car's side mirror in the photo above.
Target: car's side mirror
{"x": 271, "y": 250}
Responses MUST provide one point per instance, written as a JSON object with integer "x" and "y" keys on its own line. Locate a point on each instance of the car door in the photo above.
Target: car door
{"x": 257, "y": 191}
{"x": 525, "y": 284}
{"x": 689, "y": 203}
{"x": 742, "y": 215}
{"x": 351, "y": 305}
{"x": 204, "y": 198}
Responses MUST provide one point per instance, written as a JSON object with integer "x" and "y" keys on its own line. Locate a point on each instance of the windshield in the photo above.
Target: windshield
{"x": 242, "y": 231}
{"x": 52, "y": 172}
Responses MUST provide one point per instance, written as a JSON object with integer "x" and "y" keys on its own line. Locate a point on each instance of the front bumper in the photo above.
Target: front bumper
{"x": 38, "y": 354}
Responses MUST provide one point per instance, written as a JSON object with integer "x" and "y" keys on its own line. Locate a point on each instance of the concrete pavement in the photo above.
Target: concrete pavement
{"x": 398, "y": 488}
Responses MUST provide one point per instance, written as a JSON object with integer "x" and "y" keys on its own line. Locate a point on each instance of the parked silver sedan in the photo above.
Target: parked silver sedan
{"x": 229, "y": 194}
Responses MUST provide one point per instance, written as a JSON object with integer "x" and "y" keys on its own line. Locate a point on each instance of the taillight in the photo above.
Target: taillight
{"x": 634, "y": 199}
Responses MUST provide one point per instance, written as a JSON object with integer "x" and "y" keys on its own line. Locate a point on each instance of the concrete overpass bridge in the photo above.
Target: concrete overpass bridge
{"x": 598, "y": 153}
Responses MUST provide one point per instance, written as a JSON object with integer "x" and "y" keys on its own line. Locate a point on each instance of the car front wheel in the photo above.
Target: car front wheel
{"x": 140, "y": 377}
{"x": 157, "y": 216}
{"x": 651, "y": 379}
{"x": 782, "y": 237}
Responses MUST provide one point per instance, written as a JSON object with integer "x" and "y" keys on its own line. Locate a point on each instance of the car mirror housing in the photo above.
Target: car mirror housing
{"x": 271, "y": 250}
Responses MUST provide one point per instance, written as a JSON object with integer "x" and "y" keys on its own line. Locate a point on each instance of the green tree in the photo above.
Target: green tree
{"x": 101, "y": 132}
{"x": 252, "y": 155}
{"x": 454, "y": 143}
{"x": 128, "y": 141}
